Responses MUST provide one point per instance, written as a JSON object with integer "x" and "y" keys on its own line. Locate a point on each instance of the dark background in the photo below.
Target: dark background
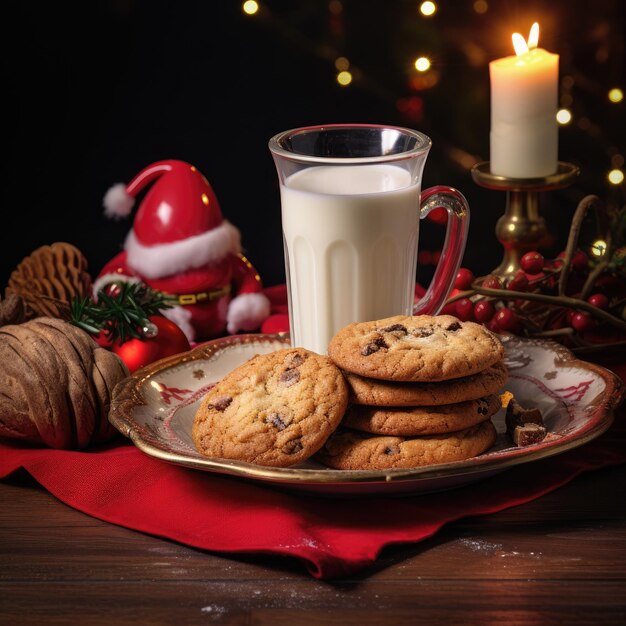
{"x": 95, "y": 91}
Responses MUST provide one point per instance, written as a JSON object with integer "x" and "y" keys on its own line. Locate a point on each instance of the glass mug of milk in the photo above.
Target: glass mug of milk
{"x": 350, "y": 203}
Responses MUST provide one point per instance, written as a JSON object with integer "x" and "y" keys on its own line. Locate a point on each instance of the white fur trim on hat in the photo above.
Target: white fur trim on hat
{"x": 247, "y": 312}
{"x": 182, "y": 318}
{"x": 106, "y": 279}
{"x": 118, "y": 202}
{"x": 166, "y": 259}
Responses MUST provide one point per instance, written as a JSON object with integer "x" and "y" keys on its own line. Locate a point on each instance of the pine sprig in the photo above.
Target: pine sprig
{"x": 85, "y": 315}
{"x": 122, "y": 314}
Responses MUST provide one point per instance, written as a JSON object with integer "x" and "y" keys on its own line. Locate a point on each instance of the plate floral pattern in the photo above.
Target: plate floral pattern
{"x": 155, "y": 408}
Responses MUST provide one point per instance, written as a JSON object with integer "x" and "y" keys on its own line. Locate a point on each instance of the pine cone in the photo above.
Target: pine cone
{"x": 56, "y": 385}
{"x": 12, "y": 310}
{"x": 49, "y": 279}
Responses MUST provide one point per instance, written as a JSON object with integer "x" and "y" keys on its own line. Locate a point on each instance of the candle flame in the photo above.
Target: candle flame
{"x": 533, "y": 37}
{"x": 519, "y": 44}
{"x": 522, "y": 46}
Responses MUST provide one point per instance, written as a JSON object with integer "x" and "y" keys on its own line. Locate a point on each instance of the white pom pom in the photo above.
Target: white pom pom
{"x": 117, "y": 202}
{"x": 247, "y": 312}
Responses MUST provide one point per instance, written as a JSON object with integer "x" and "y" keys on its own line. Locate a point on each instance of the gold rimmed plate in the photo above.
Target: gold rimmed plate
{"x": 155, "y": 408}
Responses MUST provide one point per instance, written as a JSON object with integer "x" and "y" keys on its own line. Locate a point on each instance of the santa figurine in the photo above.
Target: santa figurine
{"x": 182, "y": 246}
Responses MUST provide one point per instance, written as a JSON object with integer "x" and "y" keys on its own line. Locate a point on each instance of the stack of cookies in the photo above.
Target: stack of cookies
{"x": 422, "y": 391}
{"x": 402, "y": 392}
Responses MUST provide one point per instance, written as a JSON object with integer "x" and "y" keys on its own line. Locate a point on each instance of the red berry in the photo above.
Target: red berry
{"x": 580, "y": 261}
{"x": 448, "y": 309}
{"x": 556, "y": 263}
{"x": 506, "y": 319}
{"x": 599, "y": 300}
{"x": 464, "y": 279}
{"x": 493, "y": 326}
{"x": 519, "y": 282}
{"x": 484, "y": 311}
{"x": 438, "y": 216}
{"x": 465, "y": 310}
{"x": 610, "y": 285}
{"x": 582, "y": 321}
{"x": 492, "y": 282}
{"x": 532, "y": 262}
{"x": 424, "y": 257}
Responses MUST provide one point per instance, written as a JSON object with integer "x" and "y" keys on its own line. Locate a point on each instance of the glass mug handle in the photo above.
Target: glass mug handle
{"x": 442, "y": 283}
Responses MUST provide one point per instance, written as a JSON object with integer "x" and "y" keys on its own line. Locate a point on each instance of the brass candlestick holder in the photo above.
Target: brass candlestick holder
{"x": 521, "y": 228}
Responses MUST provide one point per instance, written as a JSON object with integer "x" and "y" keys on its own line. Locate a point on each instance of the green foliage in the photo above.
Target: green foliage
{"x": 120, "y": 315}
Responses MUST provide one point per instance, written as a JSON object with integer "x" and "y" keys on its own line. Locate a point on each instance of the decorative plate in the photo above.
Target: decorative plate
{"x": 155, "y": 408}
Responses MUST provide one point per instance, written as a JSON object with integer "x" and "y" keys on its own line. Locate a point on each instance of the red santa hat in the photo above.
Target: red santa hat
{"x": 179, "y": 224}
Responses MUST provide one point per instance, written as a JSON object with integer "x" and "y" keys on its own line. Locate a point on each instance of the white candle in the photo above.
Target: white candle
{"x": 524, "y": 131}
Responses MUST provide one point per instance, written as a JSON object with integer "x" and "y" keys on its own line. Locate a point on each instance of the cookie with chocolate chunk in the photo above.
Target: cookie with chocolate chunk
{"x": 352, "y": 450}
{"x": 276, "y": 409}
{"x": 372, "y": 392}
{"x": 420, "y": 348}
{"x": 421, "y": 420}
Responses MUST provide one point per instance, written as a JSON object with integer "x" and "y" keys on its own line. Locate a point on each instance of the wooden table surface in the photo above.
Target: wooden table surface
{"x": 558, "y": 560}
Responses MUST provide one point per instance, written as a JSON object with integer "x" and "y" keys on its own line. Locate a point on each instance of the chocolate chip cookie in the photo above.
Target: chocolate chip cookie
{"x": 276, "y": 409}
{"x": 351, "y": 450}
{"x": 420, "y": 348}
{"x": 421, "y": 420}
{"x": 374, "y": 392}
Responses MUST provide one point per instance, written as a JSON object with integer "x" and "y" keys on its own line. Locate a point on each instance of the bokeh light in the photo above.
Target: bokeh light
{"x": 598, "y": 247}
{"x": 616, "y": 95}
{"x": 341, "y": 64}
{"x": 616, "y": 177}
{"x": 428, "y": 8}
{"x": 335, "y": 7}
{"x": 344, "y": 78}
{"x": 250, "y": 7}
{"x": 563, "y": 116}
{"x": 422, "y": 64}
{"x": 617, "y": 160}
{"x": 481, "y": 6}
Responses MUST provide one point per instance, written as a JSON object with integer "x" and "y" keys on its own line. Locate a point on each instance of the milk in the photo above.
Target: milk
{"x": 350, "y": 236}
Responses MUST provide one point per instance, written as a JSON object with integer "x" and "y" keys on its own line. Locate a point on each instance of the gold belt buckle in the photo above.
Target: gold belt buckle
{"x": 187, "y": 298}
{"x": 194, "y": 298}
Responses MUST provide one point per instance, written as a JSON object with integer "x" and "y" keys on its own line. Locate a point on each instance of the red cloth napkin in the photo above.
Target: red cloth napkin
{"x": 333, "y": 537}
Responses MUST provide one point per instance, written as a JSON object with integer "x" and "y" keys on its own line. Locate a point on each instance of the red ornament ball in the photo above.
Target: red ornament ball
{"x": 169, "y": 340}
{"x": 464, "y": 279}
{"x": 112, "y": 289}
{"x": 532, "y": 262}
{"x": 465, "y": 310}
{"x": 484, "y": 311}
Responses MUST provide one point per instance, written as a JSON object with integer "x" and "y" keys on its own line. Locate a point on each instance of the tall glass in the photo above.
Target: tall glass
{"x": 350, "y": 202}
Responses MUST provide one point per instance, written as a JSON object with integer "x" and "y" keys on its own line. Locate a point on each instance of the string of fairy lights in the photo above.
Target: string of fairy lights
{"x": 426, "y": 76}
